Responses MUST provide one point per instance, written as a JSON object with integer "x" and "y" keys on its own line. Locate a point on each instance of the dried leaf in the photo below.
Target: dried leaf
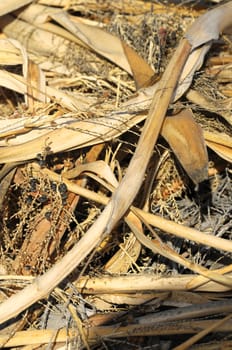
{"x": 142, "y": 72}
{"x": 194, "y": 62}
{"x": 72, "y": 134}
{"x": 117, "y": 206}
{"x": 186, "y": 139}
{"x": 132, "y": 180}
{"x": 220, "y": 144}
{"x": 209, "y": 26}
{"x": 92, "y": 36}
{"x": 201, "y": 35}
{"x": 35, "y": 39}
{"x": 223, "y": 151}
{"x": 12, "y": 5}
{"x": 9, "y": 53}
{"x": 97, "y": 39}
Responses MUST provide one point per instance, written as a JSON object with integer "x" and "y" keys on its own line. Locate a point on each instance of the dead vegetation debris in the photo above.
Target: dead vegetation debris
{"x": 106, "y": 239}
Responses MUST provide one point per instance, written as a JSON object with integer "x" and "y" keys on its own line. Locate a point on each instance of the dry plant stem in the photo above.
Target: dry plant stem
{"x": 145, "y": 325}
{"x": 183, "y": 231}
{"x": 200, "y": 335}
{"x": 72, "y": 187}
{"x": 154, "y": 220}
{"x": 36, "y": 337}
{"x": 113, "y": 212}
{"x": 200, "y": 281}
{"x": 188, "y": 312}
{"x": 131, "y": 182}
{"x": 162, "y": 249}
{"x": 116, "y": 331}
{"x": 144, "y": 283}
{"x": 158, "y": 247}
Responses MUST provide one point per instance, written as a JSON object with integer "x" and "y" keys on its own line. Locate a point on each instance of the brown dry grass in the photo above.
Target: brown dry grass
{"x": 164, "y": 269}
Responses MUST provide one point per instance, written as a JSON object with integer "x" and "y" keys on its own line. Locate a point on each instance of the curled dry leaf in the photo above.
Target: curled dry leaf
{"x": 209, "y": 26}
{"x": 201, "y": 35}
{"x": 142, "y": 72}
{"x": 100, "y": 41}
{"x": 186, "y": 139}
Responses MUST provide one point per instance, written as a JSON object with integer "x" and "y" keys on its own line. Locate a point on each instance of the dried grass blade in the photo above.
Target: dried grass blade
{"x": 37, "y": 40}
{"x": 209, "y": 26}
{"x": 142, "y": 72}
{"x": 9, "y": 53}
{"x": 129, "y": 251}
{"x": 36, "y": 337}
{"x": 219, "y": 138}
{"x": 194, "y": 62}
{"x": 98, "y": 167}
{"x": 40, "y": 17}
{"x": 19, "y": 84}
{"x": 200, "y": 35}
{"x": 13, "y": 82}
{"x": 200, "y": 281}
{"x": 154, "y": 220}
{"x": 104, "y": 43}
{"x": 126, "y": 256}
{"x": 34, "y": 77}
{"x": 94, "y": 37}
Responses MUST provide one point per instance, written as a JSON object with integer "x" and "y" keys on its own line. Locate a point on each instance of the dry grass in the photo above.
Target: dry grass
{"x": 107, "y": 241}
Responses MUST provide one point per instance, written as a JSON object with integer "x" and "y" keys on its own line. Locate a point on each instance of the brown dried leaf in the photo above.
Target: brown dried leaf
{"x": 141, "y": 70}
{"x": 186, "y": 139}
